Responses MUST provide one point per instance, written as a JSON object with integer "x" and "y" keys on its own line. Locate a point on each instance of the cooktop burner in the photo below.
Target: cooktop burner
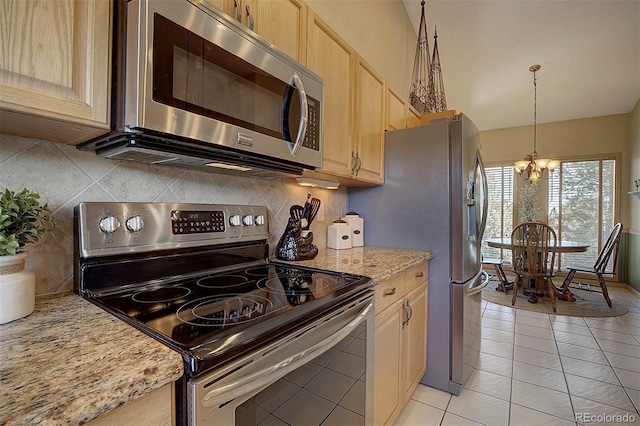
{"x": 223, "y": 281}
{"x": 162, "y": 294}
{"x": 225, "y": 309}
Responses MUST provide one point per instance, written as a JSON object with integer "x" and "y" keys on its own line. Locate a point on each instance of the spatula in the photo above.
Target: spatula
{"x": 296, "y": 213}
{"x": 313, "y": 211}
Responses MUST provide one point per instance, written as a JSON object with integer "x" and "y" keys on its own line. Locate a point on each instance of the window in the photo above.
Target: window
{"x": 581, "y": 197}
{"x": 581, "y": 200}
{"x": 500, "y": 212}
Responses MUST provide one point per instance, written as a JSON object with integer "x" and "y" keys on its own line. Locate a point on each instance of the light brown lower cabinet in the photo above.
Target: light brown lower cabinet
{"x": 400, "y": 340}
{"x": 152, "y": 409}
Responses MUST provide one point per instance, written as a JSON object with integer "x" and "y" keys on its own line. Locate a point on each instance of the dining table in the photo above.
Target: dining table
{"x": 562, "y": 246}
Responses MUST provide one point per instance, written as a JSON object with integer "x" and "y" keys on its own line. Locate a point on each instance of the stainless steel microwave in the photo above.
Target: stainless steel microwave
{"x": 193, "y": 87}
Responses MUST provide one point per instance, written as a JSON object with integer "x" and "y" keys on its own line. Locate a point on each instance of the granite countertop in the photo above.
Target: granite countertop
{"x": 378, "y": 263}
{"x": 70, "y": 362}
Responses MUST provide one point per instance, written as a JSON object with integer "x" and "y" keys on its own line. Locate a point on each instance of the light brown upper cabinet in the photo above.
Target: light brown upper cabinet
{"x": 354, "y": 107}
{"x": 54, "y": 69}
{"x": 281, "y": 22}
{"x": 335, "y": 61}
{"x": 396, "y": 110}
{"x": 413, "y": 117}
{"x": 370, "y": 123}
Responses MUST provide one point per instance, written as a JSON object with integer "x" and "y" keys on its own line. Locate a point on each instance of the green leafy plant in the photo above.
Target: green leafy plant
{"x": 528, "y": 209}
{"x": 23, "y": 220}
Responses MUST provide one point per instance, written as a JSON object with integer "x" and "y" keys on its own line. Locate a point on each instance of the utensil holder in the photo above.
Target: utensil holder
{"x": 295, "y": 246}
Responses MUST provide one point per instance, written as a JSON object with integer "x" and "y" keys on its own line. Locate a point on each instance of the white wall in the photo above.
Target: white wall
{"x": 567, "y": 139}
{"x": 379, "y": 30}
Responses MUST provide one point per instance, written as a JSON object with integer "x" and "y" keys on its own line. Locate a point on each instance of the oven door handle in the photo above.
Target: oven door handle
{"x": 259, "y": 380}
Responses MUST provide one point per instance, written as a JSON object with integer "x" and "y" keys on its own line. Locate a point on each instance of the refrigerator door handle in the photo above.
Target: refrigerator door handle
{"x": 485, "y": 197}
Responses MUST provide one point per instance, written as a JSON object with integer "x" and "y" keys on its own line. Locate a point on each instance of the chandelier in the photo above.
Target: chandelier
{"x": 533, "y": 168}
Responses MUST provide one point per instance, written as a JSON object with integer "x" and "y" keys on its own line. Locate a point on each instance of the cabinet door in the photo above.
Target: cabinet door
{"x": 281, "y": 22}
{"x": 415, "y": 339}
{"x": 233, "y": 8}
{"x": 396, "y": 106}
{"x": 152, "y": 409}
{"x": 371, "y": 94}
{"x": 54, "y": 68}
{"x": 413, "y": 117}
{"x": 387, "y": 394}
{"x": 334, "y": 60}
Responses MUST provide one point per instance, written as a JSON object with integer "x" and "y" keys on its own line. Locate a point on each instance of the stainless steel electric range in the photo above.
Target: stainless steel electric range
{"x": 197, "y": 278}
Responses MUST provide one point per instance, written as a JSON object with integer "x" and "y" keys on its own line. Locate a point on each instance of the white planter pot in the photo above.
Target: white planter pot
{"x": 17, "y": 288}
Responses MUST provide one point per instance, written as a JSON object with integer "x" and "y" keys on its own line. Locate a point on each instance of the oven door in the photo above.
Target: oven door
{"x": 288, "y": 378}
{"x": 193, "y": 72}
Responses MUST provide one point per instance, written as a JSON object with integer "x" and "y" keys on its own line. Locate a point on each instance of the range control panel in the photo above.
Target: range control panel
{"x": 117, "y": 228}
{"x": 194, "y": 222}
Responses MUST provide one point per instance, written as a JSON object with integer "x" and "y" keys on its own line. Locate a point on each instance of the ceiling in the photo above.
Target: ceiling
{"x": 589, "y": 52}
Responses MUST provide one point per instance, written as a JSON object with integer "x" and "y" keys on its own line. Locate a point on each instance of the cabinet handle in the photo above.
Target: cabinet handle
{"x": 355, "y": 162}
{"x": 406, "y": 315}
{"x": 358, "y": 164}
{"x": 250, "y": 16}
{"x": 410, "y": 312}
{"x": 420, "y": 275}
{"x": 389, "y": 292}
{"x": 237, "y": 10}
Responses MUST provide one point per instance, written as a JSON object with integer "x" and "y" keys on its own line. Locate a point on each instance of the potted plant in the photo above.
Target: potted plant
{"x": 23, "y": 220}
{"x": 528, "y": 209}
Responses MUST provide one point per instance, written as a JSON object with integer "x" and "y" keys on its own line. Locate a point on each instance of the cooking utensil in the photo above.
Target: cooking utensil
{"x": 297, "y": 213}
{"x": 313, "y": 210}
{"x": 306, "y": 208}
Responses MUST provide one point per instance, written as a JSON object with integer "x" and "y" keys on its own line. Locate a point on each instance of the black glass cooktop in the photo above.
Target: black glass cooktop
{"x": 206, "y": 309}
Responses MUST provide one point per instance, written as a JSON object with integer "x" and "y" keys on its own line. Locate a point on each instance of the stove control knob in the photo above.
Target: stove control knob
{"x": 247, "y": 220}
{"x": 135, "y": 223}
{"x": 260, "y": 220}
{"x": 234, "y": 315}
{"x": 109, "y": 224}
{"x": 235, "y": 220}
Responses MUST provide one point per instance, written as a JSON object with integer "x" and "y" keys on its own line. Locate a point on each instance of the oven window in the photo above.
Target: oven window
{"x": 330, "y": 388}
{"x": 195, "y": 75}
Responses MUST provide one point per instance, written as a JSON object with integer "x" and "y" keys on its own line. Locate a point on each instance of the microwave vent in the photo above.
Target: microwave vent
{"x": 143, "y": 157}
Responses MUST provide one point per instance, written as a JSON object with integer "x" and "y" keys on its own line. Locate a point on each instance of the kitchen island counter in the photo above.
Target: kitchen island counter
{"x": 70, "y": 362}
{"x": 378, "y": 263}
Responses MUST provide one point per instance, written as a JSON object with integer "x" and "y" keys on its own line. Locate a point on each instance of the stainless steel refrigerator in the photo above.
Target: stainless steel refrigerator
{"x": 434, "y": 198}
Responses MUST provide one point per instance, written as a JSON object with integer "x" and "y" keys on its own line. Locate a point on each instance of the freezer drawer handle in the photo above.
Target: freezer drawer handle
{"x": 479, "y": 288}
{"x": 389, "y": 292}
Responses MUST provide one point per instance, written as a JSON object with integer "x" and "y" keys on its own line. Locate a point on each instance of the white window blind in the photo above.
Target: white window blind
{"x": 581, "y": 198}
{"x": 500, "y": 212}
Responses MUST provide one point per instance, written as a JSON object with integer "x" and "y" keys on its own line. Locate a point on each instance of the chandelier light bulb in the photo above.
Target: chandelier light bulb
{"x": 553, "y": 164}
{"x": 542, "y": 162}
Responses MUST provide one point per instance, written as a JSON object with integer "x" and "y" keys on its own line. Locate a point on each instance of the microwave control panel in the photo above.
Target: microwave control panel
{"x": 312, "y": 137}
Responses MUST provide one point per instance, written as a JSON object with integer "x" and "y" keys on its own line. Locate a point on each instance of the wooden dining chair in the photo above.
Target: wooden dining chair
{"x": 607, "y": 256}
{"x": 534, "y": 255}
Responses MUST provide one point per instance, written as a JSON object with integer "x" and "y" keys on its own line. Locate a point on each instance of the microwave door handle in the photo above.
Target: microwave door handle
{"x": 304, "y": 115}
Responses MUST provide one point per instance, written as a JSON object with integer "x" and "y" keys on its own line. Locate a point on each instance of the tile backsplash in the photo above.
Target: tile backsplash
{"x": 65, "y": 176}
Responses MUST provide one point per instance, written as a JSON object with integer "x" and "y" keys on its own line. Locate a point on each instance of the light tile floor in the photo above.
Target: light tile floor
{"x": 540, "y": 369}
